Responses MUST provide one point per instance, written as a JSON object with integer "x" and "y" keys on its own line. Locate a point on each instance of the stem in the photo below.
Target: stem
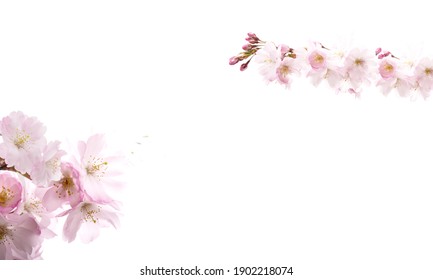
{"x": 4, "y": 166}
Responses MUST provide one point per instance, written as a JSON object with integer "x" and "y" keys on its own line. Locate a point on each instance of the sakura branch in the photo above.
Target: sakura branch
{"x": 345, "y": 71}
{"x": 41, "y": 184}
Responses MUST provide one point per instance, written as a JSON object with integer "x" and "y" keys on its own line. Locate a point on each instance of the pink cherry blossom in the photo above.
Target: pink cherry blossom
{"x": 395, "y": 76}
{"x": 32, "y": 205}
{"x": 23, "y": 141}
{"x": 67, "y": 190}
{"x": 47, "y": 169}
{"x": 86, "y": 219}
{"x": 317, "y": 60}
{"x": 324, "y": 65}
{"x": 424, "y": 76}
{"x": 20, "y": 237}
{"x": 287, "y": 67}
{"x": 98, "y": 169}
{"x": 269, "y": 58}
{"x": 387, "y": 69}
{"x": 358, "y": 67}
{"x": 10, "y": 192}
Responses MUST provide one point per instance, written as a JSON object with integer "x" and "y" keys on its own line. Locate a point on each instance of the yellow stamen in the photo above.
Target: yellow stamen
{"x": 89, "y": 215}
{"x": 21, "y": 139}
{"x": 319, "y": 58}
{"x": 5, "y": 196}
{"x": 359, "y": 62}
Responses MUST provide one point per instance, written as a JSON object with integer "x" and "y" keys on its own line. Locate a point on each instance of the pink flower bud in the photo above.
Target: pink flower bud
{"x": 386, "y": 54}
{"x": 233, "y": 60}
{"x": 252, "y": 35}
{"x": 247, "y": 47}
{"x": 244, "y": 65}
{"x": 378, "y": 50}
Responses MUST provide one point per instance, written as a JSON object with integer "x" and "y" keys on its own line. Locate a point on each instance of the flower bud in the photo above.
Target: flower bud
{"x": 233, "y": 60}
{"x": 378, "y": 50}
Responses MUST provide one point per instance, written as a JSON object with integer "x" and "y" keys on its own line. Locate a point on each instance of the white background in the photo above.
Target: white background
{"x": 230, "y": 171}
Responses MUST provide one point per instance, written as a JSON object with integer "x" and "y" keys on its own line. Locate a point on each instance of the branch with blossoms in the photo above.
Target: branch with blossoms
{"x": 41, "y": 184}
{"x": 349, "y": 71}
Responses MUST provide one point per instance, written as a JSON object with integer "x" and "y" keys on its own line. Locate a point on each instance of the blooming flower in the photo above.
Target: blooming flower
{"x": 317, "y": 60}
{"x": 23, "y": 141}
{"x": 47, "y": 169}
{"x": 287, "y": 67}
{"x": 20, "y": 237}
{"x": 424, "y": 76}
{"x": 10, "y": 192}
{"x": 87, "y": 218}
{"x": 269, "y": 57}
{"x": 32, "y": 206}
{"x": 66, "y": 190}
{"x": 97, "y": 169}
{"x": 394, "y": 77}
{"x": 358, "y": 67}
{"x": 324, "y": 65}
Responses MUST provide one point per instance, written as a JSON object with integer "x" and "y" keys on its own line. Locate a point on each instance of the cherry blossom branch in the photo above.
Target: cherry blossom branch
{"x": 4, "y": 166}
{"x": 350, "y": 71}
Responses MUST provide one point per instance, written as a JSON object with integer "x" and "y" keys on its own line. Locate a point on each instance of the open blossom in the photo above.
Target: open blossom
{"x": 47, "y": 169}
{"x": 269, "y": 58}
{"x": 286, "y": 68}
{"x": 424, "y": 76}
{"x": 358, "y": 67}
{"x": 394, "y": 76}
{"x": 20, "y": 237}
{"x": 97, "y": 169}
{"x": 317, "y": 59}
{"x": 10, "y": 192}
{"x": 67, "y": 190}
{"x": 32, "y": 206}
{"x": 87, "y": 218}
{"x": 324, "y": 65}
{"x": 23, "y": 141}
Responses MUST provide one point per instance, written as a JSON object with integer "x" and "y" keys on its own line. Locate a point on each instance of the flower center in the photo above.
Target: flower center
{"x": 428, "y": 71}
{"x": 89, "y": 213}
{"x": 388, "y": 68}
{"x": 53, "y": 164}
{"x": 359, "y": 62}
{"x": 5, "y": 195}
{"x": 4, "y": 232}
{"x": 285, "y": 70}
{"x": 96, "y": 167}
{"x": 67, "y": 186}
{"x": 319, "y": 58}
{"x": 33, "y": 206}
{"x": 21, "y": 139}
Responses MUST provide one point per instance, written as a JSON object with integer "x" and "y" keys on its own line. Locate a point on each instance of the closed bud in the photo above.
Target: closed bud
{"x": 233, "y": 60}
{"x": 378, "y": 50}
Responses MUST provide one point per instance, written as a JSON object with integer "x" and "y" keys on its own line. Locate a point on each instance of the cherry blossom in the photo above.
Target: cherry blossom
{"x": 347, "y": 70}
{"x": 98, "y": 169}
{"x": 23, "y": 141}
{"x": 87, "y": 218}
{"x": 10, "y": 192}
{"x": 20, "y": 237}
{"x": 42, "y": 185}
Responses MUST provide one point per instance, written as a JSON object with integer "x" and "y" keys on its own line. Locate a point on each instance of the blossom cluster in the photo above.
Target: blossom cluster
{"x": 41, "y": 184}
{"x": 347, "y": 71}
